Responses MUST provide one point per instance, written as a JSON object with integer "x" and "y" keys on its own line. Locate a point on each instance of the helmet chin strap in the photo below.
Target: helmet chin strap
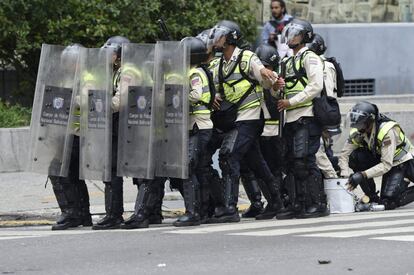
{"x": 294, "y": 46}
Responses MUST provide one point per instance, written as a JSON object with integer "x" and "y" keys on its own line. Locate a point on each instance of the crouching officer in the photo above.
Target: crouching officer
{"x": 377, "y": 146}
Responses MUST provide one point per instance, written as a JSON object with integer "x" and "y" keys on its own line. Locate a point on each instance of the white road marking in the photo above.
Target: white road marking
{"x": 360, "y": 233}
{"x": 204, "y": 229}
{"x": 403, "y": 238}
{"x": 288, "y": 231}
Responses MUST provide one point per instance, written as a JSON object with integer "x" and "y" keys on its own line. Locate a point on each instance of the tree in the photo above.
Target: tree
{"x": 27, "y": 24}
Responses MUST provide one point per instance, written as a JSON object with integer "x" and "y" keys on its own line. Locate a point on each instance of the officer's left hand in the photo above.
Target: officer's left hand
{"x": 283, "y": 104}
{"x": 355, "y": 180}
{"x": 279, "y": 84}
{"x": 268, "y": 74}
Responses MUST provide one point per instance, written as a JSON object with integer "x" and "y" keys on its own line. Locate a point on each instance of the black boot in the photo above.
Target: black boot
{"x": 147, "y": 197}
{"x": 68, "y": 200}
{"x": 113, "y": 207}
{"x": 315, "y": 199}
{"x": 85, "y": 213}
{"x": 228, "y": 212}
{"x": 274, "y": 205}
{"x": 192, "y": 203}
{"x": 251, "y": 186}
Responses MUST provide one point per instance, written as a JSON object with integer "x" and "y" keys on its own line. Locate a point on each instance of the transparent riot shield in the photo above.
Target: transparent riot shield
{"x": 95, "y": 90}
{"x": 171, "y": 88}
{"x": 136, "y": 118}
{"x": 51, "y": 136}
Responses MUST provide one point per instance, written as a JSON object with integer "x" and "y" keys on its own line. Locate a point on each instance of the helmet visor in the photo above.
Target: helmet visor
{"x": 290, "y": 31}
{"x": 216, "y": 34}
{"x": 357, "y": 119}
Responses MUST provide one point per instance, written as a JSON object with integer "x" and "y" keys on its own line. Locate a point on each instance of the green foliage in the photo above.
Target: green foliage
{"x": 14, "y": 116}
{"x": 26, "y": 24}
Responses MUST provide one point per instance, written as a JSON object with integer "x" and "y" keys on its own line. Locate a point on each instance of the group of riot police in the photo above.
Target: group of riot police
{"x": 254, "y": 108}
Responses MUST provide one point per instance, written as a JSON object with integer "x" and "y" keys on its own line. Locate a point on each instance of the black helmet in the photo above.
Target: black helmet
{"x": 71, "y": 50}
{"x": 297, "y": 27}
{"x": 70, "y": 54}
{"x": 362, "y": 114}
{"x": 317, "y": 45}
{"x": 203, "y": 36}
{"x": 198, "y": 50}
{"x": 268, "y": 55}
{"x": 115, "y": 42}
{"x": 226, "y": 28}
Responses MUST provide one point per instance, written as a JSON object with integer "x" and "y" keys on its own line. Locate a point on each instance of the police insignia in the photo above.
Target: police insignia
{"x": 58, "y": 102}
{"x": 99, "y": 105}
{"x": 141, "y": 102}
{"x": 243, "y": 65}
{"x": 176, "y": 101}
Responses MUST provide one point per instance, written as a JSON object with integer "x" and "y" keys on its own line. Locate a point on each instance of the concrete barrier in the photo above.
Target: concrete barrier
{"x": 14, "y": 141}
{"x": 14, "y": 149}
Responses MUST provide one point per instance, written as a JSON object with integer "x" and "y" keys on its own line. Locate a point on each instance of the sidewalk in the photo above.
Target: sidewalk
{"x": 25, "y": 200}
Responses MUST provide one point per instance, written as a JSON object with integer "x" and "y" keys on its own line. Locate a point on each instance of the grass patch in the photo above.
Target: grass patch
{"x": 14, "y": 115}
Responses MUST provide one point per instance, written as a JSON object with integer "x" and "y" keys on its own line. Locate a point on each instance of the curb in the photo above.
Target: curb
{"x": 29, "y": 219}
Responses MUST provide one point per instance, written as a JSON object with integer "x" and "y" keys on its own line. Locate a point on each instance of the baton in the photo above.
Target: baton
{"x": 166, "y": 34}
{"x": 282, "y": 94}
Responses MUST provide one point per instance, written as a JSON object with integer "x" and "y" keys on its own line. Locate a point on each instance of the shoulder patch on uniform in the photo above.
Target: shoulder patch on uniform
{"x": 386, "y": 142}
{"x": 243, "y": 65}
{"x": 313, "y": 60}
{"x": 195, "y": 81}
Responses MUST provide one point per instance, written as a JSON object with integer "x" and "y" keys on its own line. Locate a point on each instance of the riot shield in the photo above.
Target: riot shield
{"x": 136, "y": 118}
{"x": 95, "y": 90}
{"x": 171, "y": 88}
{"x": 51, "y": 137}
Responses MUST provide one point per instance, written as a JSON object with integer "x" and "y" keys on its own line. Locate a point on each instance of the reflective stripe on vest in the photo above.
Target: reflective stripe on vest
{"x": 271, "y": 122}
{"x": 401, "y": 149}
{"x": 233, "y": 92}
{"x": 353, "y": 134}
{"x": 200, "y": 106}
{"x": 87, "y": 77}
{"x": 294, "y": 87}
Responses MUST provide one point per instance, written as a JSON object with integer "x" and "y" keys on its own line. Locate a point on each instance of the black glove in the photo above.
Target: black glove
{"x": 355, "y": 180}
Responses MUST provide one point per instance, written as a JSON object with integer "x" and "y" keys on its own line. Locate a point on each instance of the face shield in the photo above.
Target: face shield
{"x": 358, "y": 119}
{"x": 291, "y": 31}
{"x": 215, "y": 37}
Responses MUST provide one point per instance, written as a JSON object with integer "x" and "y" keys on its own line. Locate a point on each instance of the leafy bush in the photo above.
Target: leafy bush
{"x": 14, "y": 115}
{"x": 26, "y": 24}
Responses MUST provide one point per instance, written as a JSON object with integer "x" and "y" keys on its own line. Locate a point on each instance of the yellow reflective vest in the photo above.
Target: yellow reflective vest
{"x": 296, "y": 79}
{"x": 201, "y": 107}
{"x": 385, "y": 127}
{"x": 237, "y": 83}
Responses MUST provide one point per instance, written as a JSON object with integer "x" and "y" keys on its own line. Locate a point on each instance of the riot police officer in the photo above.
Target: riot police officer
{"x": 72, "y": 193}
{"x": 200, "y": 126}
{"x": 325, "y": 158}
{"x": 304, "y": 81}
{"x": 377, "y": 146}
{"x": 238, "y": 74}
{"x": 114, "y": 188}
{"x": 273, "y": 147}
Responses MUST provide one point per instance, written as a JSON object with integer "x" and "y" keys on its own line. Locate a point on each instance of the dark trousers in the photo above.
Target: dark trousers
{"x": 303, "y": 141}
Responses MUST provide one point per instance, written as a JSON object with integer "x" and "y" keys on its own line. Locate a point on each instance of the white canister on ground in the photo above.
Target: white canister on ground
{"x": 339, "y": 198}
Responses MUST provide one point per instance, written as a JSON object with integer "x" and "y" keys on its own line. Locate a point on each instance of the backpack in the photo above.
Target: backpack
{"x": 325, "y": 108}
{"x": 340, "y": 81}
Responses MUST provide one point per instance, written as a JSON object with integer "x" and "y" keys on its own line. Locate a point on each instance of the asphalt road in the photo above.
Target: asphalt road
{"x": 358, "y": 243}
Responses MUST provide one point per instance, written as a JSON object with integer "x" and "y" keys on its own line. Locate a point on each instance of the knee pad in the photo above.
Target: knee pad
{"x": 301, "y": 171}
{"x": 394, "y": 184}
